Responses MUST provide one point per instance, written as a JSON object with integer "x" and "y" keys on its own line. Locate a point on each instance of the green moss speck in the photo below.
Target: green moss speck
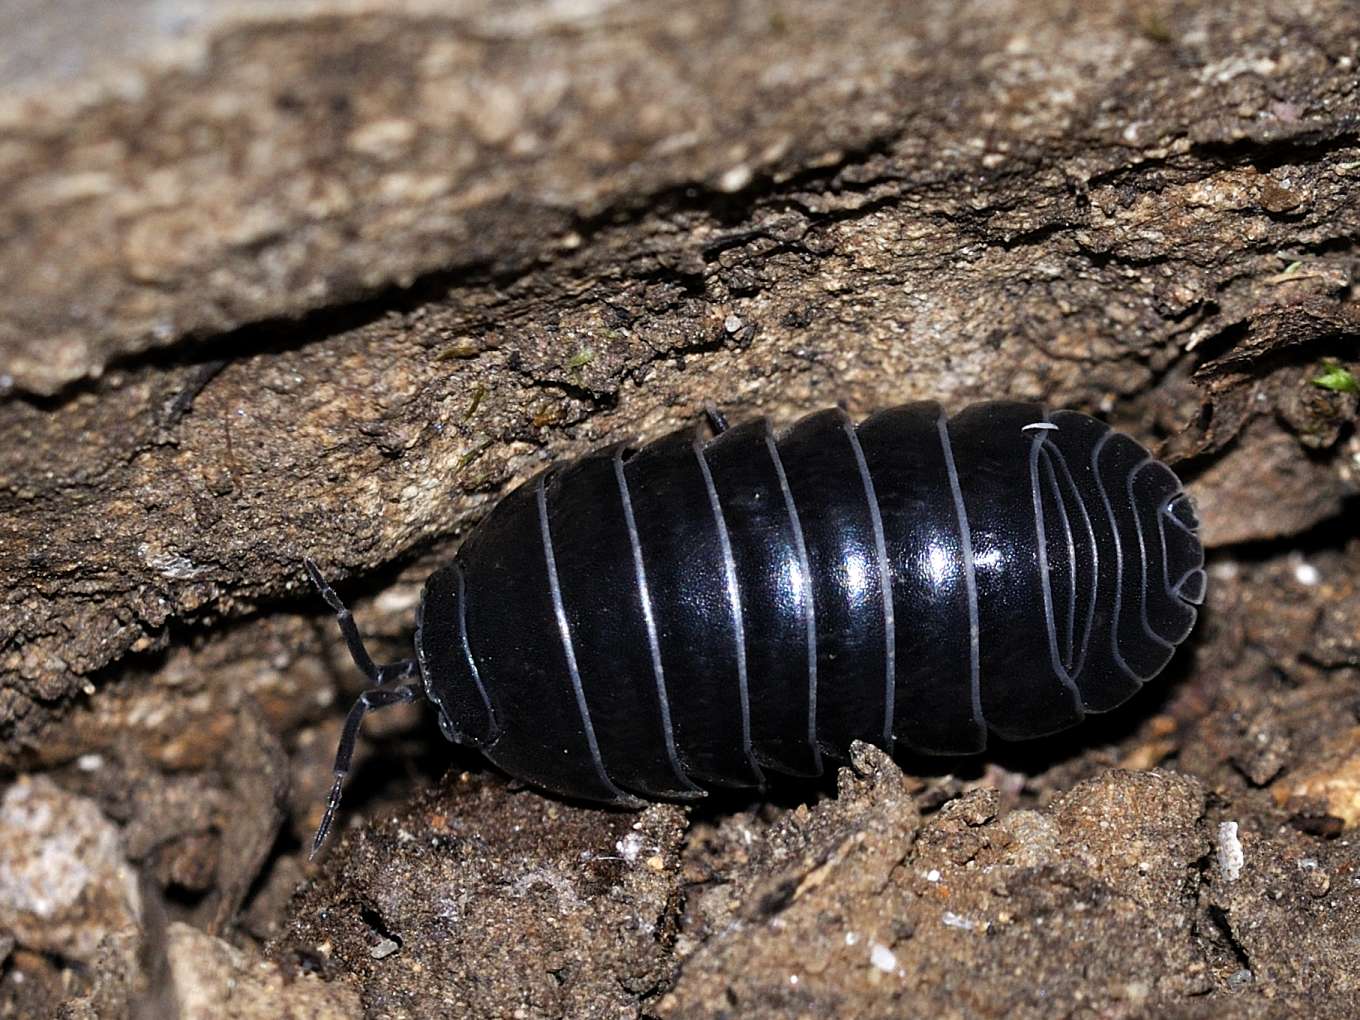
{"x": 1337, "y": 378}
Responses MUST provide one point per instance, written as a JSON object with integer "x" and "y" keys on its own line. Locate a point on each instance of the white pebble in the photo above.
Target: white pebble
{"x": 64, "y": 882}
{"x": 735, "y": 179}
{"x": 1230, "y": 856}
{"x": 630, "y": 846}
{"x": 882, "y": 957}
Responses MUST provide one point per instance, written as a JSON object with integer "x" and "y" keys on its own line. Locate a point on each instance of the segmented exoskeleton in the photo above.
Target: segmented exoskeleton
{"x": 649, "y": 621}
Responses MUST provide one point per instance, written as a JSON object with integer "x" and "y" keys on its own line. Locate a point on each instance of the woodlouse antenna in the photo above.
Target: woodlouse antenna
{"x": 388, "y": 689}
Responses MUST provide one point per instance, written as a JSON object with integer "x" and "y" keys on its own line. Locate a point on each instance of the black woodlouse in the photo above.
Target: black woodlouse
{"x": 647, "y": 621}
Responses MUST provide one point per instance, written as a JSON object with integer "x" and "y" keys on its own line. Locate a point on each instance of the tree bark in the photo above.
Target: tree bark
{"x": 328, "y": 284}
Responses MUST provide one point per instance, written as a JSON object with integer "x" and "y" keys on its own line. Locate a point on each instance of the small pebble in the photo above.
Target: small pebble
{"x": 1230, "y": 856}
{"x": 1306, "y": 574}
{"x": 735, "y": 179}
{"x": 882, "y": 957}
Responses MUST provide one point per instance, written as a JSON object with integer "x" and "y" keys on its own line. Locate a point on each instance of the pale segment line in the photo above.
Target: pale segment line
{"x": 467, "y": 653}
{"x": 1118, "y": 560}
{"x": 1171, "y": 593}
{"x": 1045, "y": 581}
{"x": 809, "y": 610}
{"x": 1143, "y": 554}
{"x": 1164, "y": 515}
{"x": 1041, "y": 538}
{"x": 969, "y": 567}
{"x": 1056, "y": 455}
{"x": 1178, "y": 588}
{"x": 649, "y": 621}
{"x": 734, "y": 601}
{"x": 885, "y": 582}
{"x": 568, "y": 649}
{"x": 1046, "y": 459}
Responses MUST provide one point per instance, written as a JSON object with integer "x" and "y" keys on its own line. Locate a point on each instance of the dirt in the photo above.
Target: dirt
{"x": 330, "y": 284}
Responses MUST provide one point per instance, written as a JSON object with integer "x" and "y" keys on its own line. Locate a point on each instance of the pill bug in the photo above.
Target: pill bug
{"x": 649, "y": 621}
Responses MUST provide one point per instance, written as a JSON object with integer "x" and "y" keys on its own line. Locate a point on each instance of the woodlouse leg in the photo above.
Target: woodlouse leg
{"x": 379, "y": 697}
{"x": 385, "y": 691}
{"x": 377, "y": 675}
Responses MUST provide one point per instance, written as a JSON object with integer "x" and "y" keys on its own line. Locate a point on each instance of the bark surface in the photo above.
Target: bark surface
{"x": 329, "y": 283}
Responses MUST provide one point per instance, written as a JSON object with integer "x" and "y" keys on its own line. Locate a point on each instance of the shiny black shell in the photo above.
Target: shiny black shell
{"x": 654, "y": 620}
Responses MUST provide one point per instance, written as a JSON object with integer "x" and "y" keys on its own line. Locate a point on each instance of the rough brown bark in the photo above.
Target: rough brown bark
{"x": 328, "y": 285}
